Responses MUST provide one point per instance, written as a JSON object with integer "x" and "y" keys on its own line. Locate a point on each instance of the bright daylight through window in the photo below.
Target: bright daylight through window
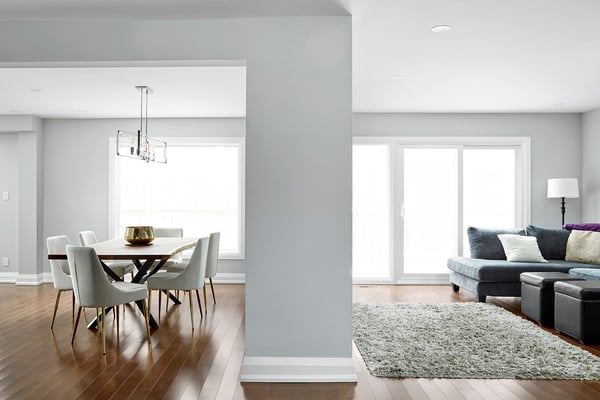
{"x": 200, "y": 189}
{"x": 413, "y": 200}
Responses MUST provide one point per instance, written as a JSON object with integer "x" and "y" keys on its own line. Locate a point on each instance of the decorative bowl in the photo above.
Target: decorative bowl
{"x": 139, "y": 235}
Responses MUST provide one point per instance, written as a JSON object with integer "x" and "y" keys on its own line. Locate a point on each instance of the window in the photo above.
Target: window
{"x": 371, "y": 217}
{"x": 200, "y": 189}
{"x": 413, "y": 199}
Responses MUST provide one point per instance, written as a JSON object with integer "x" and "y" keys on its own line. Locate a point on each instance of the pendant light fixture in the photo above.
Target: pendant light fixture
{"x": 139, "y": 145}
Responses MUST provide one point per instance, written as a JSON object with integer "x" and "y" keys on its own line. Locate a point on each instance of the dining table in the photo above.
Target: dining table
{"x": 147, "y": 258}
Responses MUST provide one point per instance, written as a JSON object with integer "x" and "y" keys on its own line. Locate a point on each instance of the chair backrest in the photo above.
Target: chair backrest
{"x": 168, "y": 232}
{"x": 90, "y": 283}
{"x": 195, "y": 272}
{"x": 59, "y": 268}
{"x": 213, "y": 254}
{"x": 87, "y": 238}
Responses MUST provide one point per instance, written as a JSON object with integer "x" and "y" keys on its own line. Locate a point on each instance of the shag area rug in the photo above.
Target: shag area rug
{"x": 463, "y": 340}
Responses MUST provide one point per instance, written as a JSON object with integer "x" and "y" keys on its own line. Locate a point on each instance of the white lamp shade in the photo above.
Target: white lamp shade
{"x": 563, "y": 187}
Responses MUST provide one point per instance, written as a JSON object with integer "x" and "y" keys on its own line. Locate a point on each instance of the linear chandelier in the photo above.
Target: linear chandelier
{"x": 139, "y": 145}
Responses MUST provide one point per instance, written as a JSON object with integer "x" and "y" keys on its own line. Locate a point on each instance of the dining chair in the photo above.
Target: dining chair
{"x": 60, "y": 272}
{"x": 121, "y": 268}
{"x": 211, "y": 263}
{"x": 93, "y": 289}
{"x": 170, "y": 232}
{"x": 189, "y": 279}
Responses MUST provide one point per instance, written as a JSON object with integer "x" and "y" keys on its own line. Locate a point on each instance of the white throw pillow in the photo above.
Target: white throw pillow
{"x": 521, "y": 248}
{"x": 583, "y": 247}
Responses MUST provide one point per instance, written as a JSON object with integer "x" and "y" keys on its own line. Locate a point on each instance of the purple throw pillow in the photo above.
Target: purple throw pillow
{"x": 591, "y": 226}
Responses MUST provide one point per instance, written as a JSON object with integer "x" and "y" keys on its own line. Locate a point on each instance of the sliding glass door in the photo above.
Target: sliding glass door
{"x": 413, "y": 201}
{"x": 430, "y": 196}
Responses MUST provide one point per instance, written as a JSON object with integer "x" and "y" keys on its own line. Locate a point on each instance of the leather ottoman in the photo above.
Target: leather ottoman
{"x": 537, "y": 295}
{"x": 576, "y": 310}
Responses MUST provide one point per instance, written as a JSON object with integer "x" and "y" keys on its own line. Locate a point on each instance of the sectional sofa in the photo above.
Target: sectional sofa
{"x": 488, "y": 273}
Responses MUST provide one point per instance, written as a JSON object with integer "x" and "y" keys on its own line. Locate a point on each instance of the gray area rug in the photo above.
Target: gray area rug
{"x": 463, "y": 340}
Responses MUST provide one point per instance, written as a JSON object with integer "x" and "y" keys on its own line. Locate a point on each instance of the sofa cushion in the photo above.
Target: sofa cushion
{"x": 506, "y": 271}
{"x": 590, "y": 274}
{"x": 521, "y": 248}
{"x": 552, "y": 242}
{"x": 583, "y": 247}
{"x": 484, "y": 243}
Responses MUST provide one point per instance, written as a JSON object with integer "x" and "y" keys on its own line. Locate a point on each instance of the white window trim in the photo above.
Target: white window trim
{"x": 522, "y": 193}
{"x": 114, "y": 195}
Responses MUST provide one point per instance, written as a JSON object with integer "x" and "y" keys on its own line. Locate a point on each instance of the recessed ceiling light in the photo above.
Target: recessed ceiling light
{"x": 35, "y": 90}
{"x": 440, "y": 28}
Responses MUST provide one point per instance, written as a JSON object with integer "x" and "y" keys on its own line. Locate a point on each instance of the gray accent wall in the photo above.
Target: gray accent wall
{"x": 556, "y": 149}
{"x": 9, "y": 218}
{"x": 298, "y": 156}
{"x": 591, "y": 166}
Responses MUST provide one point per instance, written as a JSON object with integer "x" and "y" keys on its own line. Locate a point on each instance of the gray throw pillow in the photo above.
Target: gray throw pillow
{"x": 484, "y": 243}
{"x": 552, "y": 242}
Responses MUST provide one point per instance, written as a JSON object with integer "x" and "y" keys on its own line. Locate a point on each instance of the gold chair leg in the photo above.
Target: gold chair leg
{"x": 150, "y": 300}
{"x": 147, "y": 317}
{"x": 205, "y": 303}
{"x": 191, "y": 308}
{"x": 76, "y": 323}
{"x": 55, "y": 308}
{"x": 103, "y": 331}
{"x": 212, "y": 289}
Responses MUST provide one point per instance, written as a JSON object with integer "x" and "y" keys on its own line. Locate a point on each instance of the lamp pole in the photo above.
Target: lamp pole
{"x": 562, "y": 210}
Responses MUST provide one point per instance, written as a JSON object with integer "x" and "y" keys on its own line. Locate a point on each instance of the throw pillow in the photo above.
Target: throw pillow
{"x": 484, "y": 243}
{"x": 589, "y": 226}
{"x": 552, "y": 242}
{"x": 521, "y": 248}
{"x": 583, "y": 247}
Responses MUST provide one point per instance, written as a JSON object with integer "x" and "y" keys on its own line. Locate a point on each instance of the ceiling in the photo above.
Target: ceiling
{"x": 499, "y": 56}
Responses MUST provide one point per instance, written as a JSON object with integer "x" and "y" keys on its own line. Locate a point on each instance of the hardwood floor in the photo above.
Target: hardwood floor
{"x": 36, "y": 363}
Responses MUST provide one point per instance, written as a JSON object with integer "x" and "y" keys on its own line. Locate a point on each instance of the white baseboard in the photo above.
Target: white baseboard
{"x": 33, "y": 279}
{"x": 297, "y": 369}
{"x": 8, "y": 277}
{"x": 229, "y": 277}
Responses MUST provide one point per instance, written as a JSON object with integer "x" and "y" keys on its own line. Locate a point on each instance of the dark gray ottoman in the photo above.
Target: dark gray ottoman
{"x": 537, "y": 294}
{"x": 577, "y": 310}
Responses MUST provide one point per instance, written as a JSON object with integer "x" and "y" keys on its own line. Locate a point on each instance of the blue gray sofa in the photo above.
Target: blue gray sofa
{"x": 487, "y": 273}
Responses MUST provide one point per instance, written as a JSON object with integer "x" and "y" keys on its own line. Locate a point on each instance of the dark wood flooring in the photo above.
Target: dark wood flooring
{"x": 36, "y": 363}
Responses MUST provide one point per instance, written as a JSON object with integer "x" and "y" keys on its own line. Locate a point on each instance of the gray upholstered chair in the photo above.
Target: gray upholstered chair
{"x": 60, "y": 271}
{"x": 170, "y": 232}
{"x": 93, "y": 289}
{"x": 121, "y": 268}
{"x": 211, "y": 263}
{"x": 191, "y": 278}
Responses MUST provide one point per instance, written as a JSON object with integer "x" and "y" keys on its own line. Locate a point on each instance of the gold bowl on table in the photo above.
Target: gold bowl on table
{"x": 139, "y": 235}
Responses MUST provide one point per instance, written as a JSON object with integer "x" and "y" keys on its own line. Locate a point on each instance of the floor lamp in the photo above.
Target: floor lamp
{"x": 563, "y": 188}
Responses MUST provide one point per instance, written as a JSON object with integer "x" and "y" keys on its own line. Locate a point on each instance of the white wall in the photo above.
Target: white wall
{"x": 9, "y": 221}
{"x": 76, "y": 162}
{"x": 591, "y": 166}
{"x": 298, "y": 166}
{"x": 556, "y": 149}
